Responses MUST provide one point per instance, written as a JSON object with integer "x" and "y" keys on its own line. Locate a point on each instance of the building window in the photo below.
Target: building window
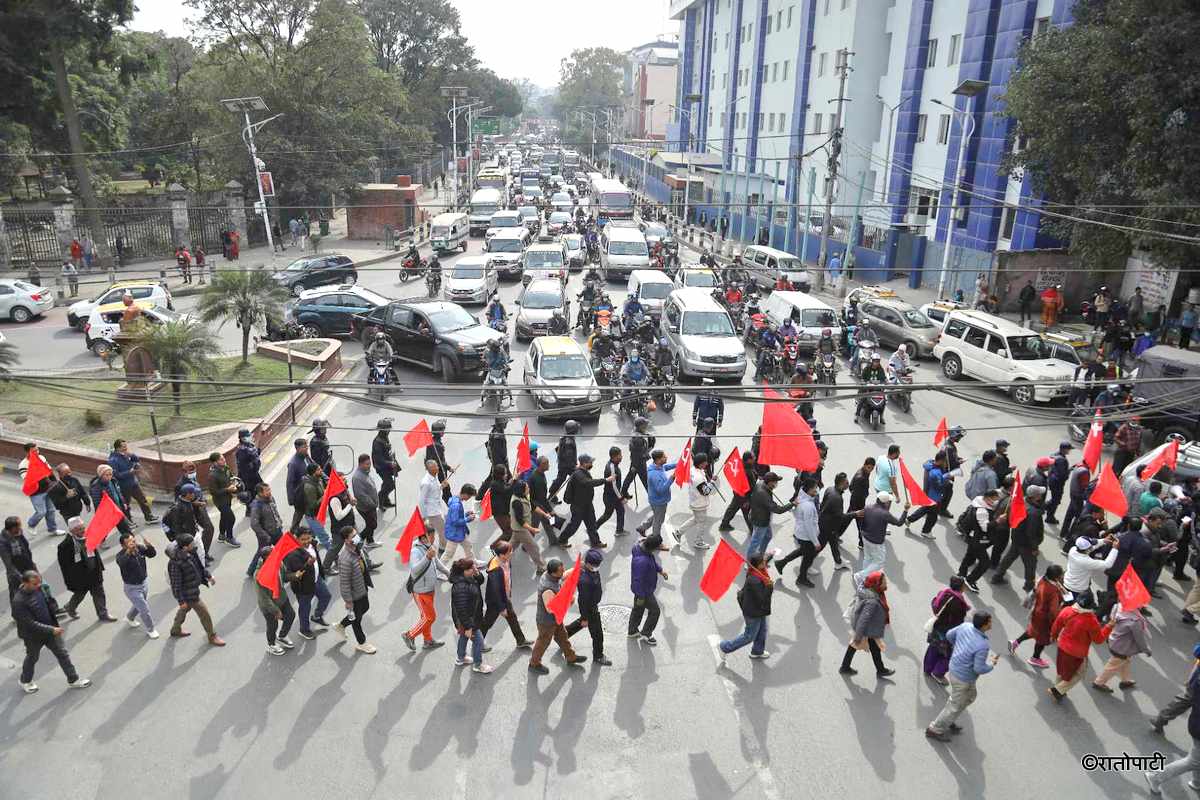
{"x": 845, "y": 4}
{"x": 922, "y": 121}
{"x": 775, "y": 72}
{"x": 955, "y": 41}
{"x": 770, "y": 123}
{"x": 932, "y": 60}
{"x": 816, "y": 123}
{"x": 827, "y": 8}
{"x": 1008, "y": 220}
{"x": 821, "y": 64}
{"x": 710, "y": 113}
{"x": 782, "y": 123}
{"x": 724, "y": 80}
{"x": 785, "y": 69}
{"x": 750, "y": 31}
{"x": 944, "y": 129}
{"x": 722, "y": 119}
{"x": 760, "y": 120}
{"x": 1041, "y": 26}
{"x": 779, "y": 20}
{"x": 769, "y": 21}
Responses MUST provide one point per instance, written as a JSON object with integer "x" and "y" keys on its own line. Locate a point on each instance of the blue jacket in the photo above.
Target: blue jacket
{"x": 643, "y": 574}
{"x": 935, "y": 481}
{"x": 456, "y": 521}
{"x": 123, "y": 465}
{"x": 969, "y": 659}
{"x": 659, "y": 484}
{"x": 1194, "y": 717}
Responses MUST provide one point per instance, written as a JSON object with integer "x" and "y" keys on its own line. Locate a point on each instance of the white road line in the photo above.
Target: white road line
{"x": 769, "y": 789}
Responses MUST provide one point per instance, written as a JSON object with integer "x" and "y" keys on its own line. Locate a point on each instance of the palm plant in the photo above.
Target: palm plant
{"x": 248, "y": 297}
{"x": 8, "y": 357}
{"x": 180, "y": 349}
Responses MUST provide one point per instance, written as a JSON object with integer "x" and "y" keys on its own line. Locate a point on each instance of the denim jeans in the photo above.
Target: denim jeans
{"x": 756, "y": 631}
{"x": 42, "y": 507}
{"x": 305, "y": 602}
{"x": 760, "y": 537}
{"x": 476, "y": 646}
{"x": 318, "y": 531}
{"x": 136, "y": 592}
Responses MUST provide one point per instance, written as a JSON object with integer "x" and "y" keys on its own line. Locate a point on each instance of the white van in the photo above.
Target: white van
{"x": 449, "y": 232}
{"x": 502, "y": 220}
{"x": 808, "y": 314}
{"x": 622, "y": 250}
{"x": 766, "y": 264}
{"x": 651, "y": 288}
{"x": 484, "y": 203}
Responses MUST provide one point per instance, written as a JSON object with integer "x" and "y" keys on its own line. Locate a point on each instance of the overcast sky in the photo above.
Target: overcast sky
{"x": 522, "y": 39}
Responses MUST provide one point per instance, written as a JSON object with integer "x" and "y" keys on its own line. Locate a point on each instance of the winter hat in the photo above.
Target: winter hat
{"x": 594, "y": 557}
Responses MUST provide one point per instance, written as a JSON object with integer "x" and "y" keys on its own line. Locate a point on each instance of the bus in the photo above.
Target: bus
{"x": 612, "y": 199}
{"x": 491, "y": 179}
{"x": 484, "y": 203}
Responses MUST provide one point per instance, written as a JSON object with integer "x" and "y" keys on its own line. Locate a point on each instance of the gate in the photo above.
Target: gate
{"x": 32, "y": 238}
{"x": 205, "y": 225}
{"x": 256, "y": 232}
{"x": 144, "y": 232}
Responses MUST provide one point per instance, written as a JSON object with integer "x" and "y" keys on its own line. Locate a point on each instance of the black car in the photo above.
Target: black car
{"x": 328, "y": 311}
{"x": 314, "y": 271}
{"x": 433, "y": 334}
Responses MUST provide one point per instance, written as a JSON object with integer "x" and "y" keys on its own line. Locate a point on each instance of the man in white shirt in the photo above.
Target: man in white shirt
{"x": 430, "y": 502}
{"x": 699, "y": 489}
{"x": 1081, "y": 567}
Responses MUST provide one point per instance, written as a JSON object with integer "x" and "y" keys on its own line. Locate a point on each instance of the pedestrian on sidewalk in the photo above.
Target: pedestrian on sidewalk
{"x": 83, "y": 572}
{"x": 1025, "y": 301}
{"x": 266, "y": 524}
{"x": 1053, "y": 303}
{"x": 354, "y": 581}
{"x": 71, "y": 275}
{"x": 968, "y": 661}
{"x": 645, "y": 570}
{"x": 187, "y": 573}
{"x": 277, "y": 611}
{"x": 548, "y": 625}
{"x": 1048, "y": 599}
{"x": 430, "y": 500}
{"x": 523, "y": 525}
{"x": 67, "y": 494}
{"x": 136, "y": 580}
{"x": 42, "y": 506}
{"x": 127, "y": 468}
{"x": 38, "y": 628}
{"x": 15, "y": 553}
{"x": 1191, "y": 761}
{"x": 949, "y": 611}
{"x": 754, "y": 599}
{"x": 1075, "y": 630}
{"x": 658, "y": 492}
{"x": 302, "y": 568}
{"x": 457, "y": 519}
{"x": 466, "y": 609}
{"x": 424, "y": 568}
{"x": 869, "y": 619}
{"x": 498, "y": 594}
{"x": 201, "y": 261}
{"x": 590, "y": 590}
{"x": 1130, "y": 636}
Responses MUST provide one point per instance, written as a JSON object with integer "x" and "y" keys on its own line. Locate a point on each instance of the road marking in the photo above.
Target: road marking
{"x": 761, "y": 768}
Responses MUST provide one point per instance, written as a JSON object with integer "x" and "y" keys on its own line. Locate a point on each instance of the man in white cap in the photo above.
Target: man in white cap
{"x": 1082, "y": 566}
{"x": 876, "y": 520}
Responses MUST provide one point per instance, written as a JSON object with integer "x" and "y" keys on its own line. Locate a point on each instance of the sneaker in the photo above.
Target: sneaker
{"x": 29, "y": 688}
{"x": 1040, "y": 663}
{"x": 885, "y": 672}
{"x": 927, "y": 535}
{"x": 133, "y": 623}
{"x": 371, "y": 545}
{"x": 1157, "y": 725}
{"x": 973, "y": 586}
{"x": 842, "y": 565}
{"x": 650, "y": 640}
{"x": 527, "y": 645}
{"x": 778, "y": 568}
{"x": 723, "y": 528}
{"x": 152, "y": 634}
{"x": 847, "y": 670}
{"x": 285, "y": 642}
{"x": 540, "y": 669}
{"x": 1012, "y": 647}
{"x": 620, "y": 532}
{"x": 151, "y": 518}
{"x": 633, "y": 635}
{"x": 57, "y": 532}
{"x": 275, "y": 650}
{"x": 410, "y": 642}
{"x": 307, "y": 635}
{"x": 483, "y": 669}
{"x": 366, "y": 647}
{"x": 432, "y": 644}
{"x": 340, "y": 630}
{"x": 233, "y": 542}
{"x": 80, "y": 683}
{"x": 320, "y": 621}
{"x": 700, "y": 544}
{"x": 463, "y": 662}
{"x": 805, "y": 583}
{"x": 108, "y": 618}
{"x": 180, "y": 634}
{"x": 216, "y": 641}
{"x": 602, "y": 661}
{"x": 930, "y": 733}
{"x": 763, "y": 654}
{"x": 578, "y": 660}
{"x": 72, "y": 613}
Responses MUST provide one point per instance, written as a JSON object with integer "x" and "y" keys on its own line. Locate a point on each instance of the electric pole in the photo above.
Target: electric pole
{"x": 835, "y": 153}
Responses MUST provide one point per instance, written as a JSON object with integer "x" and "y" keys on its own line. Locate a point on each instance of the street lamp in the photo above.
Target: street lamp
{"x": 647, "y": 105}
{"x": 246, "y": 105}
{"x": 887, "y": 166}
{"x": 966, "y": 126}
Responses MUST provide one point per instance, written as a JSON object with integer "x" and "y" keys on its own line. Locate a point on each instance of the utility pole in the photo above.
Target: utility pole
{"x": 246, "y": 105}
{"x": 835, "y": 154}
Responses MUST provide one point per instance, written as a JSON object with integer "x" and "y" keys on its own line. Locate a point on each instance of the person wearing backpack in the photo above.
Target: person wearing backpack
{"x": 424, "y": 568}
{"x": 937, "y": 481}
{"x": 1026, "y": 539}
{"x": 754, "y": 598}
{"x": 1077, "y": 484}
{"x": 953, "y": 462}
{"x": 976, "y": 524}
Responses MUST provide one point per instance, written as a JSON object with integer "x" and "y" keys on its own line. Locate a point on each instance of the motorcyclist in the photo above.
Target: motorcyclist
{"x": 413, "y": 255}
{"x": 899, "y": 362}
{"x": 768, "y": 342}
{"x": 380, "y": 349}
{"x": 558, "y": 324}
{"x": 434, "y": 268}
{"x": 826, "y": 345}
{"x": 495, "y": 310}
{"x": 634, "y": 372}
{"x": 662, "y": 354}
{"x": 631, "y": 310}
{"x": 733, "y": 293}
{"x": 587, "y": 302}
{"x": 865, "y": 339}
{"x": 872, "y": 375}
{"x": 603, "y": 345}
{"x": 495, "y": 357}
{"x": 788, "y": 329}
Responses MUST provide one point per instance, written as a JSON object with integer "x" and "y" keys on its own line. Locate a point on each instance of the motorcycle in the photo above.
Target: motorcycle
{"x": 875, "y": 404}
{"x": 584, "y": 321}
{"x": 380, "y": 373}
{"x": 826, "y": 372}
{"x": 791, "y": 354}
{"x": 863, "y": 352}
{"x": 411, "y": 268}
{"x": 495, "y": 388}
{"x": 738, "y": 317}
{"x": 663, "y": 376}
{"x": 900, "y": 395}
{"x": 641, "y": 331}
{"x": 607, "y": 371}
{"x": 1079, "y": 423}
{"x": 634, "y": 402}
{"x": 805, "y": 406}
{"x": 433, "y": 282}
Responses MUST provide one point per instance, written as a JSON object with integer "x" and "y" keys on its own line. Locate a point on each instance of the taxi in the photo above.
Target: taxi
{"x": 102, "y": 333}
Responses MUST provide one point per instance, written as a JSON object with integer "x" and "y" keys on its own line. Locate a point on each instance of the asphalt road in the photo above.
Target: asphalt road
{"x": 174, "y": 717}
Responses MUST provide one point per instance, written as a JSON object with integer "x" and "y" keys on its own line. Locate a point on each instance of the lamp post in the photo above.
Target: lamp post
{"x": 887, "y": 165}
{"x": 647, "y": 105}
{"x": 246, "y": 105}
{"x": 454, "y": 93}
{"x": 687, "y": 185}
{"x": 966, "y": 125}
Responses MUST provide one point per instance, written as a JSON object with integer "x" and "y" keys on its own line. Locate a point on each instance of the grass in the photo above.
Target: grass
{"x": 38, "y": 413}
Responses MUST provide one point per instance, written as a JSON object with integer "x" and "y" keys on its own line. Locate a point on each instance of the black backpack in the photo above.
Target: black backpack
{"x": 569, "y": 490}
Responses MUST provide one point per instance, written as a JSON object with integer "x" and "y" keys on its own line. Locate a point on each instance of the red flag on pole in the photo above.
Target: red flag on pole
{"x": 268, "y": 573}
{"x": 1095, "y": 443}
{"x": 683, "y": 467}
{"x": 414, "y": 528}
{"x": 559, "y": 604}
{"x": 418, "y": 438}
{"x": 36, "y": 470}
{"x": 333, "y": 487}
{"x": 916, "y": 495}
{"x": 941, "y": 434}
{"x": 1131, "y": 592}
{"x": 786, "y": 439}
{"x": 1017, "y": 512}
{"x": 524, "y": 459}
{"x": 1108, "y": 494}
{"x": 485, "y": 506}
{"x": 1167, "y": 456}
{"x": 735, "y": 473}
{"x": 105, "y": 519}
{"x": 719, "y": 575}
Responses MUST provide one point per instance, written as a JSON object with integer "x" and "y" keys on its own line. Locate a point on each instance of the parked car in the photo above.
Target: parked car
{"x": 471, "y": 279}
{"x": 21, "y": 301}
{"x": 862, "y": 293}
{"x": 536, "y": 305}
{"x": 314, "y": 271}
{"x": 897, "y": 322}
{"x": 558, "y": 375}
{"x": 79, "y": 312}
{"x": 937, "y": 310}
{"x": 433, "y": 334}
{"x": 327, "y": 311}
{"x": 701, "y": 336}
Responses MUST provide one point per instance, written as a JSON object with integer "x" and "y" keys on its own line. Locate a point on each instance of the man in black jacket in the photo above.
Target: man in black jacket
{"x": 741, "y": 502}
{"x": 567, "y": 461}
{"x": 640, "y": 445}
{"x": 83, "y": 572}
{"x": 590, "y": 591}
{"x": 614, "y": 502}
{"x": 38, "y": 628}
{"x": 437, "y": 452}
{"x": 762, "y": 506}
{"x": 581, "y": 494}
{"x": 539, "y": 499}
{"x": 496, "y": 445}
{"x": 832, "y": 518}
{"x": 318, "y": 446}
{"x": 384, "y": 459}
{"x": 136, "y": 580}
{"x": 302, "y": 568}
{"x": 1060, "y": 470}
{"x": 15, "y": 553}
{"x": 68, "y": 494}
{"x": 181, "y": 517}
{"x": 1026, "y": 538}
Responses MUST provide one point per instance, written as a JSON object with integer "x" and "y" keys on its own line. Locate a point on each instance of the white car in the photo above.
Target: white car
{"x": 993, "y": 349}
{"x": 78, "y": 312}
{"x": 104, "y": 323}
{"x": 696, "y": 278}
{"x": 558, "y": 375}
{"x": 937, "y": 310}
{"x": 544, "y": 260}
{"x": 561, "y": 201}
{"x": 504, "y": 220}
{"x": 21, "y": 301}
{"x": 471, "y": 279}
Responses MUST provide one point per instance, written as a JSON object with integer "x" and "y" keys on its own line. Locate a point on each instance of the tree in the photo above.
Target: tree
{"x": 9, "y": 358}
{"x": 591, "y": 78}
{"x": 183, "y": 348}
{"x": 416, "y": 38}
{"x": 250, "y": 298}
{"x": 1109, "y": 109}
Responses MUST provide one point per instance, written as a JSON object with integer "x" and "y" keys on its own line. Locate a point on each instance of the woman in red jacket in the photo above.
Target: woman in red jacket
{"x": 1075, "y": 629}
{"x": 1047, "y": 602}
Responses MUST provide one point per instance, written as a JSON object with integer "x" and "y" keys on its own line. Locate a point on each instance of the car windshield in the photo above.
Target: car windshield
{"x": 484, "y": 209}
{"x": 543, "y": 258}
{"x": 573, "y": 242}
{"x": 616, "y": 200}
{"x": 499, "y": 245}
{"x": 916, "y": 319}
{"x": 533, "y": 191}
{"x": 528, "y": 212}
{"x": 790, "y": 265}
{"x": 541, "y": 300}
{"x": 299, "y": 265}
{"x": 707, "y": 323}
{"x": 561, "y": 197}
{"x": 506, "y": 222}
{"x": 655, "y": 232}
{"x": 627, "y": 249}
{"x": 817, "y": 318}
{"x": 654, "y": 291}
{"x": 1028, "y": 348}
{"x": 560, "y": 216}
{"x": 704, "y": 280}
{"x": 451, "y": 318}
{"x": 467, "y": 271}
{"x": 565, "y": 367}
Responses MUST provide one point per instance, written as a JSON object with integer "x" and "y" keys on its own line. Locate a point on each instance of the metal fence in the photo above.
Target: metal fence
{"x": 32, "y": 238}
{"x": 144, "y": 232}
{"x": 205, "y": 226}
{"x": 874, "y": 237}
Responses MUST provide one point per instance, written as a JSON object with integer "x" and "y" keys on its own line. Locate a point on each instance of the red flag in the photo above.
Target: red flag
{"x": 735, "y": 473}
{"x": 916, "y": 495}
{"x": 485, "y": 506}
{"x": 418, "y": 438}
{"x": 718, "y": 576}
{"x": 1131, "y": 592}
{"x": 36, "y": 470}
{"x": 524, "y": 459}
{"x": 786, "y": 439}
{"x": 1094, "y": 443}
{"x": 414, "y": 528}
{"x": 1108, "y": 494}
{"x": 683, "y": 467}
{"x": 105, "y": 519}
{"x": 1017, "y": 512}
{"x": 1167, "y": 456}
{"x": 333, "y": 487}
{"x": 268, "y": 573}
{"x": 941, "y": 434}
{"x": 559, "y": 604}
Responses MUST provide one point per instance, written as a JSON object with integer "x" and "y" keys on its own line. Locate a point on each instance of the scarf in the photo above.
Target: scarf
{"x": 762, "y": 576}
{"x": 874, "y": 582}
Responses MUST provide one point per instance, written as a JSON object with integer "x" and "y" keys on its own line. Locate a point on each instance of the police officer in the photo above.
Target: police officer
{"x": 384, "y": 459}
{"x": 1060, "y": 470}
{"x": 318, "y": 445}
{"x": 708, "y": 405}
{"x": 437, "y": 452}
{"x": 497, "y": 444}
{"x": 640, "y": 445}
{"x": 566, "y": 458}
{"x": 249, "y": 464}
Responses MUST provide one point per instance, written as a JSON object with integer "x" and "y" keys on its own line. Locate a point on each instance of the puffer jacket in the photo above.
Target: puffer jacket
{"x": 186, "y": 573}
{"x": 870, "y": 618}
{"x": 466, "y": 601}
{"x": 353, "y": 580}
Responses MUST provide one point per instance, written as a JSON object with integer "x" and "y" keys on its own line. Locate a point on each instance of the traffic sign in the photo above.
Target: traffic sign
{"x": 489, "y": 126}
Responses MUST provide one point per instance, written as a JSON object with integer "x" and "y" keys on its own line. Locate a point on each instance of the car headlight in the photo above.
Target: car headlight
{"x": 593, "y": 395}
{"x": 464, "y": 348}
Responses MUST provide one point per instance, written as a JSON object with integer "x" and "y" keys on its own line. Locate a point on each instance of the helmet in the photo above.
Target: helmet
{"x": 499, "y": 423}
{"x": 244, "y": 433}
{"x": 958, "y": 431}
{"x": 494, "y": 344}
{"x": 572, "y": 427}
{"x": 801, "y": 369}
{"x": 439, "y": 426}
{"x": 874, "y": 356}
{"x": 319, "y": 424}
{"x": 640, "y": 423}
{"x": 384, "y": 424}
{"x": 1113, "y": 388}
{"x": 380, "y": 336}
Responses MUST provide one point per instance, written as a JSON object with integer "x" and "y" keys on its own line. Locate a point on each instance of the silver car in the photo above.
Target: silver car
{"x": 21, "y": 301}
{"x": 898, "y": 323}
{"x": 536, "y": 305}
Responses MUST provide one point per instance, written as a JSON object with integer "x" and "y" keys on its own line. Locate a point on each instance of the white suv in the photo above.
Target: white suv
{"x": 990, "y": 348}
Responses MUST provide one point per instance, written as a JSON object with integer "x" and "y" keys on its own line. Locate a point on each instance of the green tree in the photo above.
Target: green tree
{"x": 9, "y": 357}
{"x": 181, "y": 349}
{"x": 250, "y": 298}
{"x": 1109, "y": 109}
{"x": 590, "y": 77}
